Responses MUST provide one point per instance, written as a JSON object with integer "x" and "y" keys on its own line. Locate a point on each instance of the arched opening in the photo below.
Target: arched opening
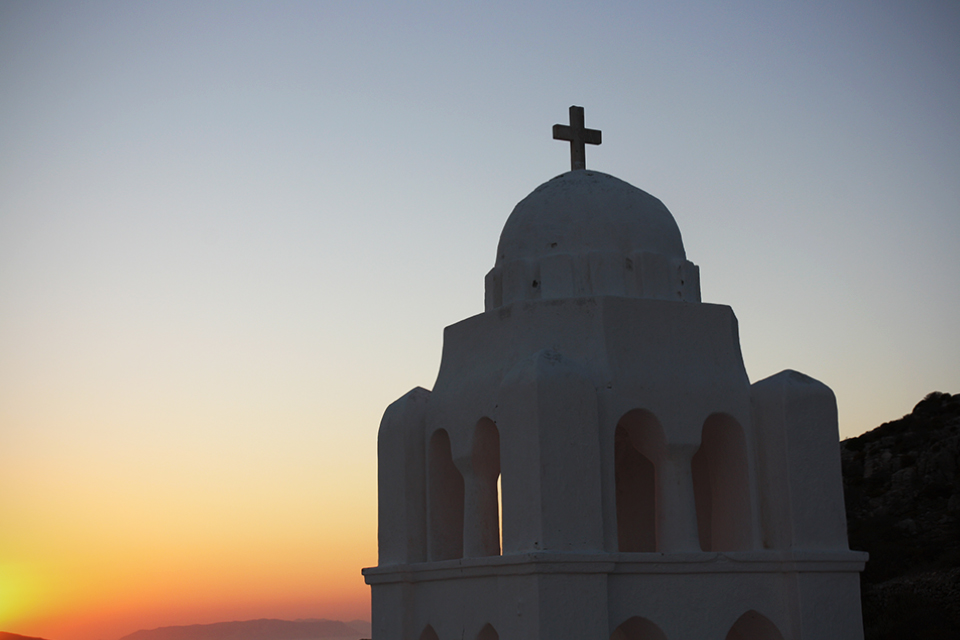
{"x": 486, "y": 467}
{"x": 753, "y": 626}
{"x": 445, "y": 500}
{"x": 488, "y": 633}
{"x": 638, "y": 445}
{"x": 637, "y": 628}
{"x": 721, "y": 486}
{"x": 428, "y": 634}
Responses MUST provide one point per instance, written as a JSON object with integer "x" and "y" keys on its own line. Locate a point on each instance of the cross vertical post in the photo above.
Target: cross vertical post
{"x": 578, "y": 136}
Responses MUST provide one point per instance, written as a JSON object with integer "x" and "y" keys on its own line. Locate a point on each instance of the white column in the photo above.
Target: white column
{"x": 676, "y": 507}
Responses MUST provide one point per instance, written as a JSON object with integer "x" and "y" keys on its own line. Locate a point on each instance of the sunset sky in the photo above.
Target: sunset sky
{"x": 231, "y": 233}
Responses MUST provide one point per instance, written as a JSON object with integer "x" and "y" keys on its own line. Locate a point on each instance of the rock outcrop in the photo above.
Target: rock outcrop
{"x": 902, "y": 488}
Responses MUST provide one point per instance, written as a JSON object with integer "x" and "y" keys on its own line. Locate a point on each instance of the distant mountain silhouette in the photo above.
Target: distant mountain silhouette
{"x": 364, "y": 627}
{"x": 257, "y": 630}
{"x": 902, "y": 487}
{"x": 16, "y": 636}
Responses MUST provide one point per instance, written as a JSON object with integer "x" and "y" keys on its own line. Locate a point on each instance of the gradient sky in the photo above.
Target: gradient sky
{"x": 231, "y": 233}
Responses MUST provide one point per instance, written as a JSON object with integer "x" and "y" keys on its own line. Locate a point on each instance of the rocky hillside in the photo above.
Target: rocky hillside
{"x": 902, "y": 486}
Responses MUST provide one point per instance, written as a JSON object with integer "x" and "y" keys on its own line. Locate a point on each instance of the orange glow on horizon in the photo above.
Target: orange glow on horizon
{"x": 115, "y": 603}
{"x": 122, "y": 549}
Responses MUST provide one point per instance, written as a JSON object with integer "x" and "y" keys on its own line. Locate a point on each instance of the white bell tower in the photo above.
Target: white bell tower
{"x": 649, "y": 491}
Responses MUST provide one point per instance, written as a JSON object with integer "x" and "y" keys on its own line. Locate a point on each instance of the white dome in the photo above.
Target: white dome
{"x": 586, "y": 233}
{"x": 584, "y": 211}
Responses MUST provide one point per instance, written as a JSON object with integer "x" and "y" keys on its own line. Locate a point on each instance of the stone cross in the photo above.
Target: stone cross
{"x": 578, "y": 136}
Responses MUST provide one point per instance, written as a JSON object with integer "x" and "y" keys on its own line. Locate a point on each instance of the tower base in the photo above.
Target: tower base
{"x": 762, "y": 595}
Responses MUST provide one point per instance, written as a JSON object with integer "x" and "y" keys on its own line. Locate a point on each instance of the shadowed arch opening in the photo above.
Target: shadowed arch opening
{"x": 721, "y": 486}
{"x": 445, "y": 500}
{"x": 754, "y": 626}
{"x": 488, "y": 633}
{"x": 638, "y": 445}
{"x": 428, "y": 634}
{"x": 637, "y": 628}
{"x": 486, "y": 466}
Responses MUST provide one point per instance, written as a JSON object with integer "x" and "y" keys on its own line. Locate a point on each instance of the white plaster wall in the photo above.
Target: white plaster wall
{"x": 401, "y": 480}
{"x": 798, "y": 453}
{"x": 556, "y": 376}
{"x": 680, "y": 361}
{"x": 551, "y": 499}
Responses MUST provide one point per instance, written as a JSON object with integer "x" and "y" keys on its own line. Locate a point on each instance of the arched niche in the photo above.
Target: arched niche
{"x": 485, "y": 460}
{"x": 637, "y": 628}
{"x": 428, "y": 634}
{"x": 488, "y": 633}
{"x": 444, "y": 500}
{"x": 753, "y": 626}
{"x": 638, "y": 448}
{"x": 721, "y": 486}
